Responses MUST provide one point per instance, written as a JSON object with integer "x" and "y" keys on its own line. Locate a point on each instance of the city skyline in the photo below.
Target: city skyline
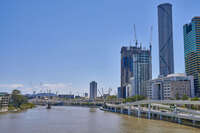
{"x": 41, "y": 46}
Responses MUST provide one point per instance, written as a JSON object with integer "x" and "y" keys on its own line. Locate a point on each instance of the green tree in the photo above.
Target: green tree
{"x": 195, "y": 99}
{"x": 16, "y": 92}
{"x": 135, "y": 98}
{"x": 177, "y": 96}
{"x": 112, "y": 97}
{"x": 17, "y": 99}
{"x": 185, "y": 97}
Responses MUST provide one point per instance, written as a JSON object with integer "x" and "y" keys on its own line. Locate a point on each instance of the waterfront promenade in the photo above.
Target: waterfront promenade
{"x": 160, "y": 109}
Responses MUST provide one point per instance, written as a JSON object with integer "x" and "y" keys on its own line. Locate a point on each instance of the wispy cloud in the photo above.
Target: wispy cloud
{"x": 55, "y": 85}
{"x": 11, "y": 86}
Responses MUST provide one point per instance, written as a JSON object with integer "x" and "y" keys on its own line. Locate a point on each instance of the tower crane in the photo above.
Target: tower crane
{"x": 100, "y": 93}
{"x": 109, "y": 90}
{"x": 151, "y": 32}
{"x": 135, "y": 37}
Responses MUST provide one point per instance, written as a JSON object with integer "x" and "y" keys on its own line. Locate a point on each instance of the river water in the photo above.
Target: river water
{"x": 83, "y": 120}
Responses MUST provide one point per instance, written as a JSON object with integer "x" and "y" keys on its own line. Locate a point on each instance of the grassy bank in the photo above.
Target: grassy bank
{"x": 22, "y": 107}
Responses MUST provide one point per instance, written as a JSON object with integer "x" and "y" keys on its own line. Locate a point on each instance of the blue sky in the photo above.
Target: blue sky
{"x": 65, "y": 44}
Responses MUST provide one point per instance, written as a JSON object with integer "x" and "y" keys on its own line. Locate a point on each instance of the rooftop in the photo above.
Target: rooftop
{"x": 176, "y": 75}
{"x": 3, "y": 93}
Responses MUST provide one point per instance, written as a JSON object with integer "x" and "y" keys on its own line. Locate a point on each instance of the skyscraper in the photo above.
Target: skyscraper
{"x": 136, "y": 65}
{"x": 192, "y": 51}
{"x": 165, "y": 31}
{"x": 93, "y": 90}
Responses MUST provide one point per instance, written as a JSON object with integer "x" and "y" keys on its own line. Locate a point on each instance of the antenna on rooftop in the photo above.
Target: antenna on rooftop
{"x": 109, "y": 91}
{"x": 102, "y": 91}
{"x": 130, "y": 43}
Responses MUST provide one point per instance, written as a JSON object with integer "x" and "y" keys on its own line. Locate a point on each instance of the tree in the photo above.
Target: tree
{"x": 185, "y": 97}
{"x": 17, "y": 99}
{"x": 177, "y": 96}
{"x": 16, "y": 92}
{"x": 135, "y": 98}
{"x": 112, "y": 97}
{"x": 195, "y": 99}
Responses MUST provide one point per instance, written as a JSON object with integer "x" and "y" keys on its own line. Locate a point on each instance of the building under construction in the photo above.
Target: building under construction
{"x": 136, "y": 67}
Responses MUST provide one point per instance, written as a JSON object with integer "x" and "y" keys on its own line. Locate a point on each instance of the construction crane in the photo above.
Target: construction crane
{"x": 77, "y": 93}
{"x": 130, "y": 43}
{"x": 100, "y": 93}
{"x": 135, "y": 37}
{"x": 109, "y": 90}
{"x": 151, "y": 32}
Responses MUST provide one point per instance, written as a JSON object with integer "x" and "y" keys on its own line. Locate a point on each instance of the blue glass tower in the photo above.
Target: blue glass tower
{"x": 192, "y": 51}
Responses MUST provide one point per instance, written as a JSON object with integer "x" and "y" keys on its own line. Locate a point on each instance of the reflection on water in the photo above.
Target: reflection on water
{"x": 93, "y": 109}
{"x": 83, "y": 120}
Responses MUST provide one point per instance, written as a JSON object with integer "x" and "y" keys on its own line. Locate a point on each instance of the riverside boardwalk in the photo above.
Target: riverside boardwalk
{"x": 169, "y": 110}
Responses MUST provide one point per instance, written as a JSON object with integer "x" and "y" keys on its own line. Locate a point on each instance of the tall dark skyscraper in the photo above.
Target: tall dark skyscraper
{"x": 192, "y": 51}
{"x": 93, "y": 90}
{"x": 136, "y": 64}
{"x": 165, "y": 31}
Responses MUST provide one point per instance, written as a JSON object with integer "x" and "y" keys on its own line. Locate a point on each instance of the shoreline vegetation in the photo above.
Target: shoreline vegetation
{"x": 22, "y": 107}
{"x": 18, "y": 102}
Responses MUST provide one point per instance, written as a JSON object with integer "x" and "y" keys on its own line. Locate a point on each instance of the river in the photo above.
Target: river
{"x": 83, "y": 120}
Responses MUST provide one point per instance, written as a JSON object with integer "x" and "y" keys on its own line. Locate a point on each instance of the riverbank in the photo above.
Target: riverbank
{"x": 22, "y": 107}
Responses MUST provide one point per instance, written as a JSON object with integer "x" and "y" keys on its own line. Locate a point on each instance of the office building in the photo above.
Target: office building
{"x": 135, "y": 64}
{"x": 192, "y": 51}
{"x": 165, "y": 32}
{"x": 119, "y": 92}
{"x": 4, "y": 100}
{"x": 170, "y": 87}
{"x": 93, "y": 90}
{"x": 86, "y": 95}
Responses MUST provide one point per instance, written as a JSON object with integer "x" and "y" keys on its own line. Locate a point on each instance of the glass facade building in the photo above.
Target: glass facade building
{"x": 135, "y": 68}
{"x": 119, "y": 92}
{"x": 192, "y": 51}
{"x": 165, "y": 32}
